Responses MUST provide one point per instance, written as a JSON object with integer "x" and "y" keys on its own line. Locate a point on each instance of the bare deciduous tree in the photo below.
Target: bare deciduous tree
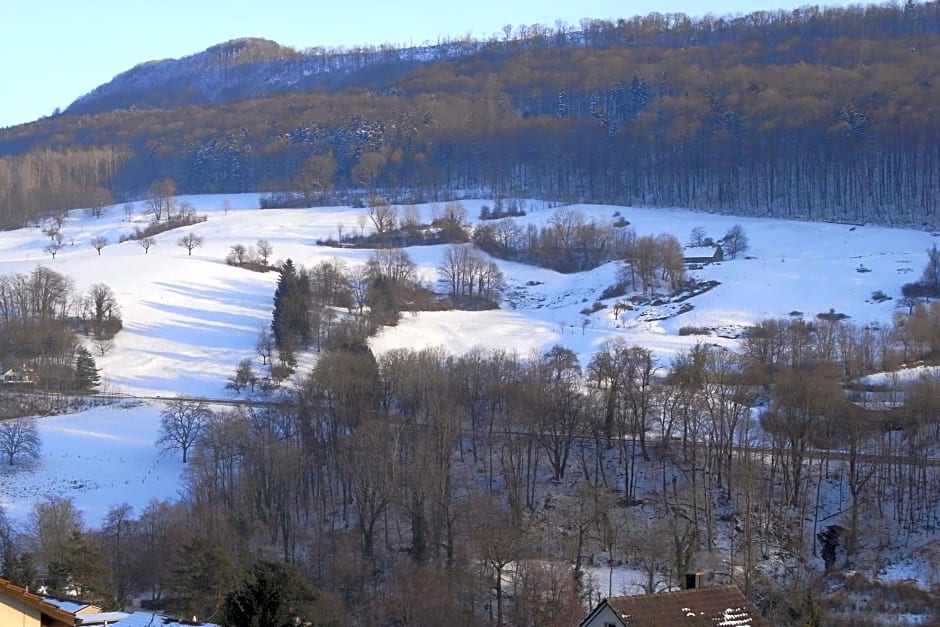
{"x": 190, "y": 242}
{"x": 99, "y": 199}
{"x": 384, "y": 215}
{"x": 181, "y": 422}
{"x": 19, "y": 437}
{"x": 55, "y": 245}
{"x": 160, "y": 201}
{"x": 264, "y": 345}
{"x": 265, "y": 250}
{"x": 146, "y": 243}
{"x": 98, "y": 243}
{"x": 735, "y": 241}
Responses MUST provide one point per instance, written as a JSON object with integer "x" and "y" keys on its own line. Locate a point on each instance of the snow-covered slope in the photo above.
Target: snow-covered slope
{"x": 190, "y": 319}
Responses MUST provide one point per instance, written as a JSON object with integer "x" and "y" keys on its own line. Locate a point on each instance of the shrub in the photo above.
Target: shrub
{"x": 614, "y": 291}
{"x": 920, "y": 290}
{"x": 832, "y": 316}
{"x": 690, "y": 330}
{"x": 155, "y": 228}
{"x": 597, "y": 306}
{"x": 282, "y": 200}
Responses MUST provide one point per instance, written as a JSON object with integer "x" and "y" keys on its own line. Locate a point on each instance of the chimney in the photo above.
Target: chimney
{"x": 694, "y": 580}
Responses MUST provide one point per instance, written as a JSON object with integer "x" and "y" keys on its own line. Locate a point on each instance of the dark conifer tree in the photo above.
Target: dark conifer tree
{"x": 289, "y": 323}
{"x": 86, "y": 371}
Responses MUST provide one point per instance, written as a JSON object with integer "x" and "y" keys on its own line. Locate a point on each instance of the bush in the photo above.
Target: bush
{"x": 690, "y": 330}
{"x": 282, "y": 200}
{"x": 832, "y": 316}
{"x": 155, "y": 228}
{"x": 879, "y": 297}
{"x": 597, "y": 306}
{"x": 920, "y": 290}
{"x": 614, "y": 291}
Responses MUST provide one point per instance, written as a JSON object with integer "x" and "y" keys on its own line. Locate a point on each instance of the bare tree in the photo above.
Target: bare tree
{"x": 226, "y": 206}
{"x": 103, "y": 345}
{"x": 264, "y": 345}
{"x": 735, "y": 241}
{"x": 19, "y": 437}
{"x": 237, "y": 256}
{"x": 160, "y": 200}
{"x": 671, "y": 260}
{"x": 119, "y": 539}
{"x": 128, "y": 211}
{"x": 55, "y": 245}
{"x": 53, "y": 522}
{"x": 931, "y": 274}
{"x": 100, "y": 198}
{"x": 265, "y": 250}
{"x": 244, "y": 377}
{"x": 697, "y": 236}
{"x": 146, "y": 243}
{"x": 99, "y": 242}
{"x": 181, "y": 422}
{"x": 190, "y": 241}
{"x": 101, "y": 307}
{"x": 384, "y": 216}
{"x": 500, "y": 542}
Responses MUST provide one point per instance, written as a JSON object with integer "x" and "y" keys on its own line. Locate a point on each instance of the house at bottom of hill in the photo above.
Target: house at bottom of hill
{"x": 722, "y": 606}
{"x": 21, "y": 608}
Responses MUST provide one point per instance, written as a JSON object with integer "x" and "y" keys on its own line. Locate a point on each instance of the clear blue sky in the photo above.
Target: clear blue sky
{"x": 53, "y": 51}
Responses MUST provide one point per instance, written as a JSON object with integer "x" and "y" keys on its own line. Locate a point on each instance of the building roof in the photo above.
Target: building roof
{"x": 700, "y": 252}
{"x": 73, "y": 607}
{"x": 699, "y": 607}
{"x": 103, "y": 618}
{"x": 36, "y": 602}
{"x": 135, "y": 619}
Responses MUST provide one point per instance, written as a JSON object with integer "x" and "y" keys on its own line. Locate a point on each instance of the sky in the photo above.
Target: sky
{"x": 54, "y": 51}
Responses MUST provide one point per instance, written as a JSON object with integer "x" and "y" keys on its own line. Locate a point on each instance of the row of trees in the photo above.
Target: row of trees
{"x": 40, "y": 314}
{"x": 419, "y": 486}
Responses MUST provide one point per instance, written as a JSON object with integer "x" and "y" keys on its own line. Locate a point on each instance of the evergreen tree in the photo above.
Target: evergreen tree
{"x": 86, "y": 371}
{"x": 289, "y": 323}
{"x": 273, "y": 595}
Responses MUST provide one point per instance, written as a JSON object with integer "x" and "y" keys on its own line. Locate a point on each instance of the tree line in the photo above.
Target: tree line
{"x": 42, "y": 320}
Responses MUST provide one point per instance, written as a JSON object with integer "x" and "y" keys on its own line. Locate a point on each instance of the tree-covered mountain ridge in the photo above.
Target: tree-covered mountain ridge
{"x": 814, "y": 113}
{"x": 248, "y": 68}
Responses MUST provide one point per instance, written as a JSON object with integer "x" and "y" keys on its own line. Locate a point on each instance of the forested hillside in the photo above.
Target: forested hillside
{"x": 816, "y": 113}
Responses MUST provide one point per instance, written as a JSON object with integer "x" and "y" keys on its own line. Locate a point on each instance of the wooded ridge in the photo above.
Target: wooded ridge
{"x": 816, "y": 113}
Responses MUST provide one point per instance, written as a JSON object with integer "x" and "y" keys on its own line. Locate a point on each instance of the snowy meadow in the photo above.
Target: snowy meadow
{"x": 190, "y": 319}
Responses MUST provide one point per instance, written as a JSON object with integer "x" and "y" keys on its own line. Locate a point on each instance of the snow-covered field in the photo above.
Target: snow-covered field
{"x": 190, "y": 319}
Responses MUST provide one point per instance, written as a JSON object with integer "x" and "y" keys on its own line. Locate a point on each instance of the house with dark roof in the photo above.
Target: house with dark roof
{"x": 722, "y": 606}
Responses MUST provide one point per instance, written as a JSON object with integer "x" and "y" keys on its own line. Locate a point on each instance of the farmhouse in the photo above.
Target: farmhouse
{"x": 706, "y": 607}
{"x": 18, "y": 375}
{"x": 702, "y": 254}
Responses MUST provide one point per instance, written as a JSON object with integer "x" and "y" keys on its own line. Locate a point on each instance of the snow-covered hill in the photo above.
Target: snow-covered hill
{"x": 190, "y": 319}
